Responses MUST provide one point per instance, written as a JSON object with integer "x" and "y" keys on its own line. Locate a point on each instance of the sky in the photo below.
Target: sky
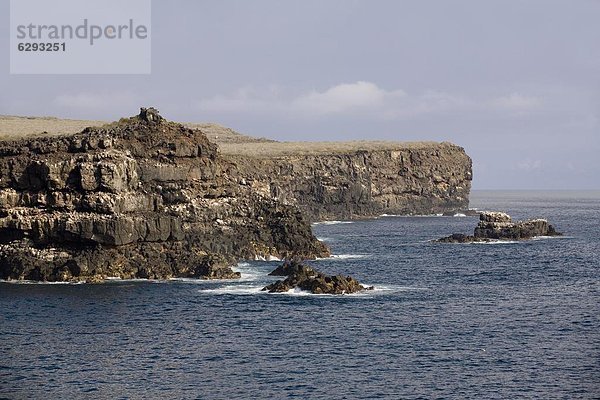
{"x": 516, "y": 83}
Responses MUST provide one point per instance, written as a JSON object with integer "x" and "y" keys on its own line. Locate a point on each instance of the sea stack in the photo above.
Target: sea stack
{"x": 305, "y": 277}
{"x": 495, "y": 225}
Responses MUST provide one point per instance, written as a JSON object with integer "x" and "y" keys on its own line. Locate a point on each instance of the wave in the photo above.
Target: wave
{"x": 267, "y": 258}
{"x": 378, "y": 290}
{"x": 397, "y": 288}
{"x": 25, "y": 282}
{"x": 234, "y": 289}
{"x": 459, "y": 215}
{"x": 248, "y": 272}
{"x": 349, "y": 256}
{"x": 324, "y": 239}
{"x": 551, "y": 237}
{"x": 332, "y": 222}
{"x": 411, "y": 216}
{"x": 498, "y": 242}
{"x": 305, "y": 293}
{"x": 344, "y": 257}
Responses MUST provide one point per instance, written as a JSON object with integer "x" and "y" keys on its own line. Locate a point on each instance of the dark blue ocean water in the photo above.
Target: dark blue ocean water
{"x": 514, "y": 320}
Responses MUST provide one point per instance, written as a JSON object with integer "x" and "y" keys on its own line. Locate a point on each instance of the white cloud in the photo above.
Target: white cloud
{"x": 346, "y": 97}
{"x": 245, "y": 99}
{"x": 529, "y": 165}
{"x": 361, "y": 98}
{"x": 517, "y": 102}
{"x": 97, "y": 101}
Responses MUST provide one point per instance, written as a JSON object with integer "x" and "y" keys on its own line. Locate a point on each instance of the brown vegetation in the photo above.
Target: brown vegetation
{"x": 229, "y": 141}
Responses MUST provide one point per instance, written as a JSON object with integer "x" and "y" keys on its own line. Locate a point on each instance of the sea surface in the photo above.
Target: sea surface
{"x": 507, "y": 320}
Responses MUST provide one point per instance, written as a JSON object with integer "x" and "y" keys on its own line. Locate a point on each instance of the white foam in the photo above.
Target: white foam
{"x": 25, "y": 282}
{"x": 192, "y": 280}
{"x": 396, "y": 288}
{"x": 305, "y": 293}
{"x": 267, "y": 258}
{"x": 324, "y": 239}
{"x": 234, "y": 289}
{"x": 411, "y": 215}
{"x": 332, "y": 222}
{"x": 498, "y": 242}
{"x": 248, "y": 273}
{"x": 459, "y": 215}
{"x": 349, "y": 256}
{"x": 551, "y": 237}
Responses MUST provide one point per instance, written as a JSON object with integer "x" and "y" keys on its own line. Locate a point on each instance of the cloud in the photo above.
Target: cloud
{"x": 247, "y": 99}
{"x": 346, "y": 97}
{"x": 94, "y": 102}
{"x": 363, "y": 99}
{"x": 517, "y": 102}
{"x": 529, "y": 165}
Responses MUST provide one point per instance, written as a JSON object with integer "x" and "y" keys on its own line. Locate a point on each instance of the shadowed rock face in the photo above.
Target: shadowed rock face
{"x": 500, "y": 226}
{"x": 419, "y": 179}
{"x": 307, "y": 278}
{"x": 142, "y": 197}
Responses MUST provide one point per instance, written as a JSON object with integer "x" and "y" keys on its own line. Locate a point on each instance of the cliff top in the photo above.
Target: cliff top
{"x": 230, "y": 142}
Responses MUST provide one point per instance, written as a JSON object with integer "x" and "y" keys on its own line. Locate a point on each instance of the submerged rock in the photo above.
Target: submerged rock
{"x": 137, "y": 198}
{"x": 495, "y": 225}
{"x": 307, "y": 278}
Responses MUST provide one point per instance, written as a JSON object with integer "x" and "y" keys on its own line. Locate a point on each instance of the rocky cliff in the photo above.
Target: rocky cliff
{"x": 327, "y": 180}
{"x": 147, "y": 198}
{"x": 142, "y": 197}
{"x": 354, "y": 180}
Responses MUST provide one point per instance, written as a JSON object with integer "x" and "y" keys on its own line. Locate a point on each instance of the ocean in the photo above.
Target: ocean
{"x": 500, "y": 320}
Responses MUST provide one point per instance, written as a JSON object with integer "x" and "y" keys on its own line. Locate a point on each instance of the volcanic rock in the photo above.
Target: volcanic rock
{"x": 138, "y": 198}
{"x": 307, "y": 278}
{"x": 349, "y": 180}
{"x": 500, "y": 226}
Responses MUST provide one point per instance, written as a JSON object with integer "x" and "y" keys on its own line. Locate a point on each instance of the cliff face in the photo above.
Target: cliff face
{"x": 147, "y": 198}
{"x": 423, "y": 178}
{"x": 139, "y": 198}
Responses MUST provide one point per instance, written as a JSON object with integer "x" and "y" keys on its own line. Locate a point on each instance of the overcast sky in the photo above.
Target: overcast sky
{"x": 516, "y": 83}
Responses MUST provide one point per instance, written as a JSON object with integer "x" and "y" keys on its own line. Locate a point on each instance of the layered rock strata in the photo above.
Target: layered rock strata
{"x": 327, "y": 180}
{"x": 500, "y": 226}
{"x": 139, "y": 198}
{"x": 357, "y": 180}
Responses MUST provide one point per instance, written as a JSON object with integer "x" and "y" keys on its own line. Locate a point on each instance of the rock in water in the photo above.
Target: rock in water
{"x": 500, "y": 226}
{"x": 138, "y": 198}
{"x": 307, "y": 278}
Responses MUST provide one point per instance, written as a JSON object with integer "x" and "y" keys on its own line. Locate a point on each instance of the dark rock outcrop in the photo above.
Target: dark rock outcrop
{"x": 500, "y": 226}
{"x": 138, "y": 198}
{"x": 307, "y": 278}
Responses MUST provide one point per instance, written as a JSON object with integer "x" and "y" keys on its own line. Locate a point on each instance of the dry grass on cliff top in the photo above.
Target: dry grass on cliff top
{"x": 229, "y": 141}
{"x": 12, "y": 127}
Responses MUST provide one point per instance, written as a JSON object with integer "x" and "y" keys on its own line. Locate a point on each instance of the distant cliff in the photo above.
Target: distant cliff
{"x": 358, "y": 179}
